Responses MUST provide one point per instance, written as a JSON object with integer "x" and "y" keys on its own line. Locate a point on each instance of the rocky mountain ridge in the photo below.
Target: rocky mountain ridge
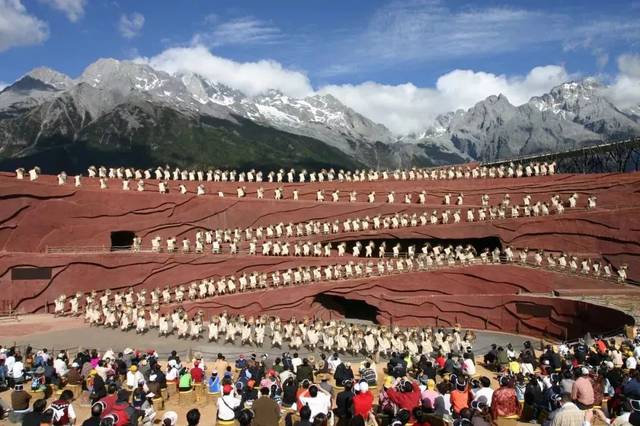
{"x": 126, "y": 101}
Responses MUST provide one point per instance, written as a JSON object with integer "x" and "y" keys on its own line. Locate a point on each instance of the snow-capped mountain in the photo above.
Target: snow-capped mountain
{"x": 122, "y": 106}
{"x": 570, "y": 115}
{"x": 321, "y": 117}
{"x": 585, "y": 103}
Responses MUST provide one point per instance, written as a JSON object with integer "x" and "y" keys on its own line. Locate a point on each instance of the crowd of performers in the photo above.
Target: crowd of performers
{"x": 161, "y": 309}
{"x": 331, "y": 335}
{"x": 216, "y": 240}
{"x": 97, "y": 306}
{"x": 512, "y": 170}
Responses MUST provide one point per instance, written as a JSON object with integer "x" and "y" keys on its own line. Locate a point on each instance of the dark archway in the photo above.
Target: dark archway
{"x": 122, "y": 240}
{"x": 348, "y": 308}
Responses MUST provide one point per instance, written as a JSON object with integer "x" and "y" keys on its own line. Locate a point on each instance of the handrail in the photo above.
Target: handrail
{"x": 549, "y": 155}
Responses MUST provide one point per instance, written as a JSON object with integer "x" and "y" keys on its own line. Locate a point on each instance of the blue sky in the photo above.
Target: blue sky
{"x": 332, "y": 45}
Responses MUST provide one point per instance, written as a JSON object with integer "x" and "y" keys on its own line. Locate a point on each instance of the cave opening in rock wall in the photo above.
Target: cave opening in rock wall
{"x": 348, "y": 308}
{"x": 478, "y": 243}
{"x": 122, "y": 240}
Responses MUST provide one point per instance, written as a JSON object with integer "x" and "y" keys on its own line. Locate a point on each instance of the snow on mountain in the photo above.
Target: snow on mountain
{"x": 571, "y": 114}
{"x": 584, "y": 102}
{"x": 51, "y": 77}
{"x": 320, "y": 116}
{"x": 32, "y": 89}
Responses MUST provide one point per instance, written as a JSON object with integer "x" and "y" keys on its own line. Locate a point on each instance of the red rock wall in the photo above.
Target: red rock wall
{"x": 34, "y": 216}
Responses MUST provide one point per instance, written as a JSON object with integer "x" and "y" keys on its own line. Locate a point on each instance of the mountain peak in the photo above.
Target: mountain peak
{"x": 51, "y": 77}
{"x": 500, "y": 99}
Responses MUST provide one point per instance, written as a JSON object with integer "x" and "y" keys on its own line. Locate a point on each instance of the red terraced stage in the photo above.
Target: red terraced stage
{"x": 37, "y": 218}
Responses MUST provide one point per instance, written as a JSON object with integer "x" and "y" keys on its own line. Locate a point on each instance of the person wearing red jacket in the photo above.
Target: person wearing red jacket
{"x": 363, "y": 401}
{"x": 197, "y": 375}
{"x": 405, "y": 394}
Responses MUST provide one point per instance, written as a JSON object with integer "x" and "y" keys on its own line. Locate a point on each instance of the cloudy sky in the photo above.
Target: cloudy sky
{"x": 398, "y": 62}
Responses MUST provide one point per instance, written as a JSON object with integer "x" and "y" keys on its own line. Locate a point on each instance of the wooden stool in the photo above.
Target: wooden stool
{"x": 159, "y": 400}
{"x": 225, "y": 422}
{"x": 172, "y": 388}
{"x": 164, "y": 393}
{"x": 198, "y": 390}
{"x": 185, "y": 394}
{"x": 36, "y": 394}
{"x": 85, "y": 401}
{"x": 76, "y": 389}
{"x": 212, "y": 396}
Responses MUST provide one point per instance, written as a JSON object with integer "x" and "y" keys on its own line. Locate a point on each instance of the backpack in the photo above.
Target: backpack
{"x": 60, "y": 413}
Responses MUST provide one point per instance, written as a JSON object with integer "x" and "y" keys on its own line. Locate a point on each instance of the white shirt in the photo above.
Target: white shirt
{"x": 631, "y": 363}
{"x": 9, "y": 363}
{"x": 295, "y": 362}
{"x": 172, "y": 374}
{"x": 469, "y": 367}
{"x": 71, "y": 412}
{"x": 333, "y": 363}
{"x": 225, "y": 411}
{"x": 18, "y": 369}
{"x": 60, "y": 366}
{"x": 486, "y": 392}
{"x": 320, "y": 404}
{"x": 134, "y": 378}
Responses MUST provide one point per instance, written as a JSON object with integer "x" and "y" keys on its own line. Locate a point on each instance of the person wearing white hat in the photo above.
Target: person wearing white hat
{"x": 363, "y": 400}
{"x": 148, "y": 412}
{"x": 170, "y": 418}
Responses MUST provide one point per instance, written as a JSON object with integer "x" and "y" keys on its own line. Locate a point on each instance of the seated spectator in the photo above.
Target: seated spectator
{"x": 193, "y": 417}
{"x": 317, "y": 400}
{"x": 96, "y": 415}
{"x": 197, "y": 375}
{"x": 343, "y": 373}
{"x": 227, "y": 404}
{"x": 214, "y": 385}
{"x": 368, "y": 374}
{"x": 484, "y": 394}
{"x": 304, "y": 371}
{"x": 63, "y": 413}
{"x": 37, "y": 416}
{"x": 170, "y": 418}
{"x": 185, "y": 382}
{"x": 20, "y": 399}
{"x": 363, "y": 400}
{"x": 405, "y": 394}
{"x": 266, "y": 410}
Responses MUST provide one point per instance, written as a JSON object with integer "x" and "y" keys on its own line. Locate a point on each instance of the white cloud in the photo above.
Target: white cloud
{"x": 241, "y": 31}
{"x": 18, "y": 27}
{"x": 410, "y": 30}
{"x": 131, "y": 25}
{"x": 424, "y": 31}
{"x": 405, "y": 107}
{"x": 74, "y": 9}
{"x": 251, "y": 78}
{"x": 624, "y": 91}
